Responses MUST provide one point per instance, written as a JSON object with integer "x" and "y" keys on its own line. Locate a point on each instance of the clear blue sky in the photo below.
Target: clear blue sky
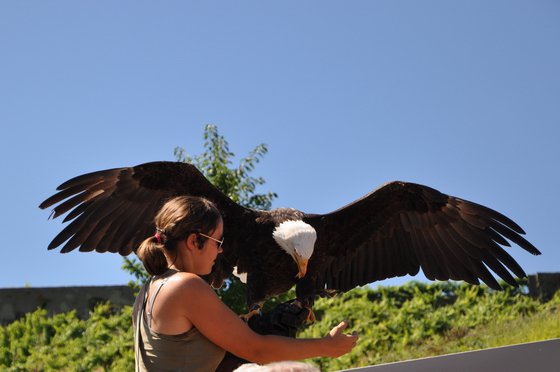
{"x": 463, "y": 96}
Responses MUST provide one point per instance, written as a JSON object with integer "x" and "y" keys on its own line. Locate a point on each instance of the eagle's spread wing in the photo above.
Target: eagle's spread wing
{"x": 113, "y": 210}
{"x": 402, "y": 227}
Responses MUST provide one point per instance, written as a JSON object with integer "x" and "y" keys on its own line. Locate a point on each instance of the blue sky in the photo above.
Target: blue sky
{"x": 460, "y": 96}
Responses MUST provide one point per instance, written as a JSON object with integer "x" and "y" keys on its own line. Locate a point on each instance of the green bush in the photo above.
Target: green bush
{"x": 394, "y": 323}
{"x": 64, "y": 342}
{"x": 396, "y": 320}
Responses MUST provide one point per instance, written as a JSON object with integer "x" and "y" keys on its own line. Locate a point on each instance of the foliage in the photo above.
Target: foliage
{"x": 395, "y": 323}
{"x": 236, "y": 182}
{"x": 215, "y": 163}
{"x": 64, "y": 342}
{"x": 137, "y": 270}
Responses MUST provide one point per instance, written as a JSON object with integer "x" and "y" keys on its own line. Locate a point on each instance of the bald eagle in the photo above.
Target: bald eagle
{"x": 393, "y": 231}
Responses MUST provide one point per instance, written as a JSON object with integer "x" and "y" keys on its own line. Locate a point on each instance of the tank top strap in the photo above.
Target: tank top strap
{"x": 138, "y": 343}
{"x": 152, "y": 300}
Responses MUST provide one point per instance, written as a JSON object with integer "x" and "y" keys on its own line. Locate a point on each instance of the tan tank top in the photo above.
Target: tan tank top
{"x": 190, "y": 351}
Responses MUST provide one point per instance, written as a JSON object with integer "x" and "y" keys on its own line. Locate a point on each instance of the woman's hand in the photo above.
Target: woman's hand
{"x": 339, "y": 343}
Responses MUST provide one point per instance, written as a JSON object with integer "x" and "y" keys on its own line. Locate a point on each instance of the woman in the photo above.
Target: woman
{"x": 180, "y": 323}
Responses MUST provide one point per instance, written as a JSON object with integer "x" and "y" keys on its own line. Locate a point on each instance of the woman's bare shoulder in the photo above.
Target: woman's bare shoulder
{"x": 188, "y": 282}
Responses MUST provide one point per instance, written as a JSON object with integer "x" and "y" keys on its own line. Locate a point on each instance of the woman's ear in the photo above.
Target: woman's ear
{"x": 192, "y": 242}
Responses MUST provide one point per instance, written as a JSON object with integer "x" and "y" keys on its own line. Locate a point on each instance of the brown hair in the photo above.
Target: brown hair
{"x": 179, "y": 217}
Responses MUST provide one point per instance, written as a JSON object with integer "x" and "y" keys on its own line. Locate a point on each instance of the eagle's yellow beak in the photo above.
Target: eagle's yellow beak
{"x": 302, "y": 267}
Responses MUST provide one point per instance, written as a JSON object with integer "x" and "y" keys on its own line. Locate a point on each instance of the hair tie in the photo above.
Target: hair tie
{"x": 158, "y": 237}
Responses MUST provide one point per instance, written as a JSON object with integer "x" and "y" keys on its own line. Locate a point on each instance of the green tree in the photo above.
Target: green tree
{"x": 234, "y": 181}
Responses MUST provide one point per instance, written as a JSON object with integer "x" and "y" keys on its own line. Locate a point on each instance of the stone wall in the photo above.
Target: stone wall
{"x": 544, "y": 285}
{"x": 16, "y": 302}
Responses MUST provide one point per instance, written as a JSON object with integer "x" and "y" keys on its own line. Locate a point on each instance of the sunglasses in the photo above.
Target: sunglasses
{"x": 220, "y": 242}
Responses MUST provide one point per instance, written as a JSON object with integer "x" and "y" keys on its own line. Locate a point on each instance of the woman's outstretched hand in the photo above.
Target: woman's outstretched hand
{"x": 339, "y": 343}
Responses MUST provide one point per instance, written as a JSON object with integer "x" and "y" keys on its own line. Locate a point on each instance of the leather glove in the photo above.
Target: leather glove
{"x": 284, "y": 320}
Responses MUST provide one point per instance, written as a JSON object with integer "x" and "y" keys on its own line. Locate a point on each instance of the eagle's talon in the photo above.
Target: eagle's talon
{"x": 311, "y": 317}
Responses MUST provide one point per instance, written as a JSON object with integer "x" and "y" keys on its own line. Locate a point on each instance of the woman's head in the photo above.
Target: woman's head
{"x": 176, "y": 220}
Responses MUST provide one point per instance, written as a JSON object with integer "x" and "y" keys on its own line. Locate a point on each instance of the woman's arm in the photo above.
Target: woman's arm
{"x": 224, "y": 328}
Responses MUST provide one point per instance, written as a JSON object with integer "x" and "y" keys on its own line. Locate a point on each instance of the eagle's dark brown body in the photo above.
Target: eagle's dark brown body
{"x": 396, "y": 230}
{"x": 261, "y": 252}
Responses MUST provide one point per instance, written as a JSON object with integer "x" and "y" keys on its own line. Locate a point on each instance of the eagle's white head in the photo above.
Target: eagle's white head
{"x": 297, "y": 239}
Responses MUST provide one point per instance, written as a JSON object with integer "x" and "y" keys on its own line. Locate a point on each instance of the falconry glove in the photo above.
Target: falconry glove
{"x": 284, "y": 320}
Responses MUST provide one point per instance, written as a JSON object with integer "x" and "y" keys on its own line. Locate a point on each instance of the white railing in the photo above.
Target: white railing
{"x": 541, "y": 356}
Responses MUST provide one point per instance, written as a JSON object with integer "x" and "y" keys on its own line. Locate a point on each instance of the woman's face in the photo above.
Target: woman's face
{"x": 210, "y": 250}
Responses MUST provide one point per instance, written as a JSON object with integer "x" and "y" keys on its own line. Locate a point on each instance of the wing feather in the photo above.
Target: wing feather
{"x": 403, "y": 227}
{"x": 455, "y": 268}
{"x": 76, "y": 211}
{"x": 113, "y": 210}
{"x": 517, "y": 239}
{"x": 92, "y": 242}
{"x": 107, "y": 242}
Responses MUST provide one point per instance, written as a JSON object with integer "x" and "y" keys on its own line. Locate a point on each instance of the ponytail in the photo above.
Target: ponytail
{"x": 151, "y": 253}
